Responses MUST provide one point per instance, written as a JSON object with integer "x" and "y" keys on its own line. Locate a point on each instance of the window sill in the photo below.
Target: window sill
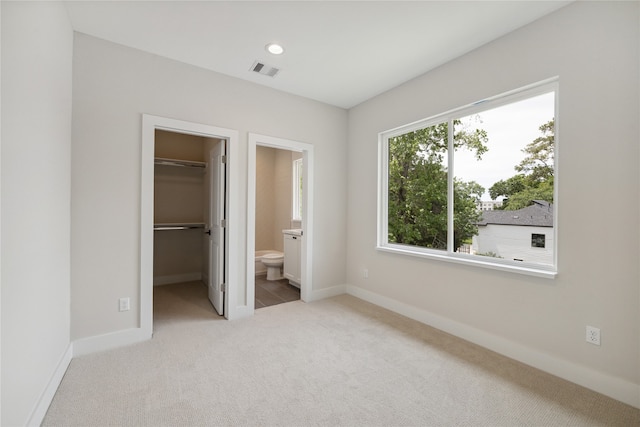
{"x": 528, "y": 270}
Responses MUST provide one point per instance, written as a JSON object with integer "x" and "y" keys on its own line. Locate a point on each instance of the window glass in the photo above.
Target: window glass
{"x": 475, "y": 183}
{"x": 516, "y": 169}
{"x": 418, "y": 188}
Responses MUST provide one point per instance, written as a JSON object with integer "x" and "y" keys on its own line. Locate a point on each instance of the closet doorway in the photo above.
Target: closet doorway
{"x": 189, "y": 212}
{"x": 193, "y": 240}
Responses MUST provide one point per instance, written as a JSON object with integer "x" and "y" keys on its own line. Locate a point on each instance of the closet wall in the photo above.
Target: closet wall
{"x": 179, "y": 199}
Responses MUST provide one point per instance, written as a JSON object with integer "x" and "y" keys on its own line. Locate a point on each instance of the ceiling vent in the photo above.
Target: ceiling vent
{"x": 262, "y": 68}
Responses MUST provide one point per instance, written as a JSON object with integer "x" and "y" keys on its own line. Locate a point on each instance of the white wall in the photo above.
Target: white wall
{"x": 593, "y": 48}
{"x": 37, "y": 43}
{"x": 113, "y": 86}
{"x": 514, "y": 242}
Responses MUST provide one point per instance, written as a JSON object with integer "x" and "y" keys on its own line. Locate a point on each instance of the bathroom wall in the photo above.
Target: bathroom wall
{"x": 265, "y": 194}
{"x": 273, "y": 196}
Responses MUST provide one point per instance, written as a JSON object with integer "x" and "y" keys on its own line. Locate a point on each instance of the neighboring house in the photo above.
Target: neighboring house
{"x": 488, "y": 205}
{"x": 522, "y": 235}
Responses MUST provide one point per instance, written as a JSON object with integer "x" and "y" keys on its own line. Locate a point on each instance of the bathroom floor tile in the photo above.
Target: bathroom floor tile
{"x": 272, "y": 292}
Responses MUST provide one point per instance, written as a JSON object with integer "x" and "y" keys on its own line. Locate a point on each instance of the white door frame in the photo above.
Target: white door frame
{"x": 232, "y": 249}
{"x": 307, "y": 211}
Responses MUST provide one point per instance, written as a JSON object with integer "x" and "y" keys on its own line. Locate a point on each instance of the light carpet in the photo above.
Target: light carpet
{"x": 335, "y": 362}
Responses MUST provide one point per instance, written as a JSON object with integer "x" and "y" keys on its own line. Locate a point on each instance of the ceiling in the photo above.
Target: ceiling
{"x": 338, "y": 52}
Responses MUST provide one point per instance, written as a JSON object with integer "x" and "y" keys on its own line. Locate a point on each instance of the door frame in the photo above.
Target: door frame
{"x": 306, "y": 277}
{"x": 233, "y": 251}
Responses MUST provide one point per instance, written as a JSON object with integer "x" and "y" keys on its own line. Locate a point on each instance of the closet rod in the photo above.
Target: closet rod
{"x": 182, "y": 163}
{"x": 166, "y": 227}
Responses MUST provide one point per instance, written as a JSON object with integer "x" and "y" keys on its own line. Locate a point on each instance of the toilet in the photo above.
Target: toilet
{"x": 273, "y": 262}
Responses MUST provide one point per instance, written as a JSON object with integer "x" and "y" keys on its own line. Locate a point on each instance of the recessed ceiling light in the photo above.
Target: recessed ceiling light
{"x": 274, "y": 48}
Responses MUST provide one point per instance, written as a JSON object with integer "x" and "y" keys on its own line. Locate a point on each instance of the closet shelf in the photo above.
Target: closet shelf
{"x": 181, "y": 163}
{"x": 177, "y": 226}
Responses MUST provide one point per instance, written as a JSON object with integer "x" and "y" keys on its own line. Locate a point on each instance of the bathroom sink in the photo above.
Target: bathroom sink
{"x": 293, "y": 231}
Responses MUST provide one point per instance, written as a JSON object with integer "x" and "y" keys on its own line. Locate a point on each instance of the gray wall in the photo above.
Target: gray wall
{"x": 113, "y": 87}
{"x": 593, "y": 48}
{"x": 37, "y": 43}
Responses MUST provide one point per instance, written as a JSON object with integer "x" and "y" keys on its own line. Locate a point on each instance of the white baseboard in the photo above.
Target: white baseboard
{"x": 327, "y": 292}
{"x": 176, "y": 278}
{"x": 109, "y": 341}
{"x": 40, "y": 410}
{"x": 616, "y": 388}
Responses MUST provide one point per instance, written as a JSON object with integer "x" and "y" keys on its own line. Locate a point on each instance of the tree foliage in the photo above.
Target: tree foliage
{"x": 417, "y": 205}
{"x": 535, "y": 178}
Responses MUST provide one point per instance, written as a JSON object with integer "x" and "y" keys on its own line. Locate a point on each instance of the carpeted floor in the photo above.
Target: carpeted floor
{"x": 335, "y": 362}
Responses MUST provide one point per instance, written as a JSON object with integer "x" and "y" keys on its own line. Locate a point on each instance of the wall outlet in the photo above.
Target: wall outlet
{"x": 365, "y": 273}
{"x": 124, "y": 304}
{"x": 593, "y": 335}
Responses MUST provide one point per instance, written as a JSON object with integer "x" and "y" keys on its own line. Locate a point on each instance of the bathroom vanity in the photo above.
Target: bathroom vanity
{"x": 292, "y": 256}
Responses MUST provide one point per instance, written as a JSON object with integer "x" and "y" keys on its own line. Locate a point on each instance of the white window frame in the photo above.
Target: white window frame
{"x": 383, "y": 244}
{"x": 296, "y": 208}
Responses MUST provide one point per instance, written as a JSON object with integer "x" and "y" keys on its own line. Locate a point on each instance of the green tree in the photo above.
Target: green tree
{"x": 538, "y": 164}
{"x": 535, "y": 180}
{"x": 417, "y": 205}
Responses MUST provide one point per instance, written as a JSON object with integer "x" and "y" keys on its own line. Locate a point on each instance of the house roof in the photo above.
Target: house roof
{"x": 540, "y": 214}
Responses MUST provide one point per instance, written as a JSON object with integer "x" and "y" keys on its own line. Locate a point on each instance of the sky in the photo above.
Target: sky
{"x": 509, "y": 129}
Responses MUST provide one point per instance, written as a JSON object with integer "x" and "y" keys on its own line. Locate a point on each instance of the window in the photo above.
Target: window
{"x": 475, "y": 184}
{"x": 537, "y": 240}
{"x": 297, "y": 190}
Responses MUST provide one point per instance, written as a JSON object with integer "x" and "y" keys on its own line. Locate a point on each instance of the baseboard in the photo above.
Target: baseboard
{"x": 40, "y": 410}
{"x": 318, "y": 294}
{"x": 616, "y": 388}
{"x": 109, "y": 341}
{"x": 176, "y": 278}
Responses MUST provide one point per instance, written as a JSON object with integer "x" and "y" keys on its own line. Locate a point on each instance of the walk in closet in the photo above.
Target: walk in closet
{"x": 189, "y": 195}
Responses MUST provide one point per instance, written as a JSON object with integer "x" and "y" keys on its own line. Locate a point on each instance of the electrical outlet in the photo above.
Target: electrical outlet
{"x": 365, "y": 273}
{"x": 124, "y": 304}
{"x": 593, "y": 335}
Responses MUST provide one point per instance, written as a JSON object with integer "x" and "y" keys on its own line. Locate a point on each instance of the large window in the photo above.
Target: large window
{"x": 475, "y": 184}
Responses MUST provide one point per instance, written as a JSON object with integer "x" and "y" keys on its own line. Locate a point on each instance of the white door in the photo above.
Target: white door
{"x": 217, "y": 184}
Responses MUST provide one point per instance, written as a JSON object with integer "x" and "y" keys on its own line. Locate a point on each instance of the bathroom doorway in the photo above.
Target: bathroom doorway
{"x": 277, "y": 208}
{"x": 280, "y": 188}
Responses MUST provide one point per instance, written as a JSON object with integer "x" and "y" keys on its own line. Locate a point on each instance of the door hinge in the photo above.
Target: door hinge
{"x": 223, "y": 159}
{"x": 223, "y": 223}
{"x": 223, "y": 287}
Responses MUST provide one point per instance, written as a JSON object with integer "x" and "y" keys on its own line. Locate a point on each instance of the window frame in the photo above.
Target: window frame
{"x": 296, "y": 199}
{"x": 382, "y": 242}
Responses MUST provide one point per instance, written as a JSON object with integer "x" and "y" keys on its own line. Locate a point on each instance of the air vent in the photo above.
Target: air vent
{"x": 264, "y": 69}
